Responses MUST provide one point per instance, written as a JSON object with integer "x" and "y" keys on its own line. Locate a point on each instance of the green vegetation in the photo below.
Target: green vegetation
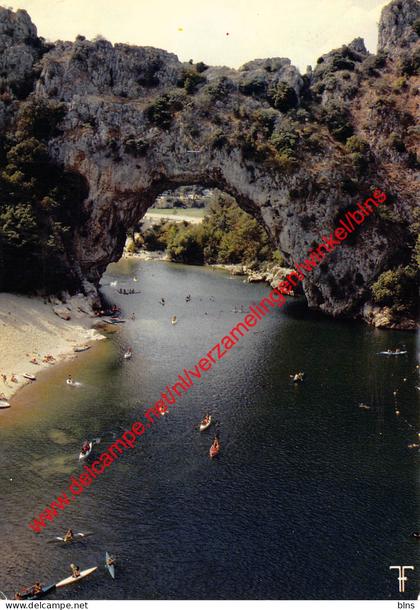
{"x": 227, "y": 235}
{"x": 395, "y": 141}
{"x": 336, "y": 116}
{"x": 136, "y": 147}
{"x": 38, "y": 202}
{"x": 409, "y": 63}
{"x": 279, "y": 95}
{"x": 162, "y": 110}
{"x": 282, "y": 97}
{"x": 191, "y": 79}
{"x": 355, "y": 144}
{"x": 359, "y": 151}
{"x": 397, "y": 289}
{"x": 220, "y": 89}
{"x": 201, "y": 66}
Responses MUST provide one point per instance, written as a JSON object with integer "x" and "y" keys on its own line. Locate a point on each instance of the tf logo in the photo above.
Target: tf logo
{"x": 402, "y": 578}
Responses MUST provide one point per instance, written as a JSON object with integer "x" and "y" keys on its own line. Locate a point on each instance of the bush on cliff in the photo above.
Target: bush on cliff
{"x": 397, "y": 289}
{"x": 161, "y": 111}
{"x": 190, "y": 80}
{"x": 282, "y": 97}
{"x": 38, "y": 203}
{"x": 336, "y": 116}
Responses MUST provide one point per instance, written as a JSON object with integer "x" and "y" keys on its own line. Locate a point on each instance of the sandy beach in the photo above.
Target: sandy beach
{"x": 30, "y": 329}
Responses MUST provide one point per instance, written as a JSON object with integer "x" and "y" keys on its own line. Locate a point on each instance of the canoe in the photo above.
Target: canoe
{"x": 111, "y": 569}
{"x": 4, "y": 404}
{"x": 45, "y": 590}
{"x": 29, "y": 376}
{"x": 70, "y": 580}
{"x": 214, "y": 450}
{"x": 205, "y": 426}
{"x": 76, "y": 538}
{"x": 83, "y": 456}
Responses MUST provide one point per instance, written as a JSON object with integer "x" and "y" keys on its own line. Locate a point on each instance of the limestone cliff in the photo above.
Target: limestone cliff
{"x": 294, "y": 150}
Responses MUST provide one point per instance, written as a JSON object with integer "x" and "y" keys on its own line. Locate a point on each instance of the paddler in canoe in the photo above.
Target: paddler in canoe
{"x": 30, "y": 592}
{"x": 68, "y": 536}
{"x": 111, "y": 561}
{"x": 215, "y": 448}
{"x": 297, "y": 377}
{"x": 75, "y": 570}
{"x": 86, "y": 447}
{"x": 205, "y": 422}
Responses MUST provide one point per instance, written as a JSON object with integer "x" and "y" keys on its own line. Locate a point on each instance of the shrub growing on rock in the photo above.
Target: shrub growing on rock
{"x": 136, "y": 147}
{"x": 190, "y": 80}
{"x": 254, "y": 85}
{"x": 161, "y": 111}
{"x": 396, "y": 142}
{"x": 336, "y": 116}
{"x": 396, "y": 288}
{"x": 282, "y": 97}
{"x": 201, "y": 66}
{"x": 356, "y": 144}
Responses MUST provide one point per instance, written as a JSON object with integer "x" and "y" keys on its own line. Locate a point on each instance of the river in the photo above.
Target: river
{"x": 310, "y": 498}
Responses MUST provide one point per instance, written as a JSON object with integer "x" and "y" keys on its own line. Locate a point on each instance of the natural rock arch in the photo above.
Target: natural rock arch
{"x": 139, "y": 122}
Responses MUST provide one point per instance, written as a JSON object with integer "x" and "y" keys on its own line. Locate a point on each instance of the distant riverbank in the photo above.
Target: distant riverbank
{"x": 45, "y": 333}
{"x": 269, "y": 272}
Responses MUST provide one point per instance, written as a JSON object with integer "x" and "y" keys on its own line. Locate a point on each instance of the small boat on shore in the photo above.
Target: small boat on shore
{"x": 86, "y": 450}
{"x": 205, "y": 423}
{"x": 215, "y": 448}
{"x": 82, "y": 348}
{"x": 4, "y": 404}
{"x": 174, "y": 320}
{"x": 128, "y": 354}
{"x": 29, "y": 376}
{"x": 72, "y": 579}
{"x": 110, "y": 564}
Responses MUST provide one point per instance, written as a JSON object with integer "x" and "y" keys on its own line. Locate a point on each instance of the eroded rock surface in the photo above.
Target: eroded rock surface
{"x": 296, "y": 151}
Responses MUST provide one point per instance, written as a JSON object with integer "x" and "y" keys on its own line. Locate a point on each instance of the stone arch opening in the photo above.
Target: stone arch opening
{"x": 126, "y": 210}
{"x": 174, "y": 224}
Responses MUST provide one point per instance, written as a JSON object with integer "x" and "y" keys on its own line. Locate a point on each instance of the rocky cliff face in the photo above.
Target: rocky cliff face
{"x": 295, "y": 151}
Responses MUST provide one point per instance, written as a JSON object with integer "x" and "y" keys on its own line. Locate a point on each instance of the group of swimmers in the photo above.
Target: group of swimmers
{"x": 187, "y": 299}
{"x": 129, "y": 291}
